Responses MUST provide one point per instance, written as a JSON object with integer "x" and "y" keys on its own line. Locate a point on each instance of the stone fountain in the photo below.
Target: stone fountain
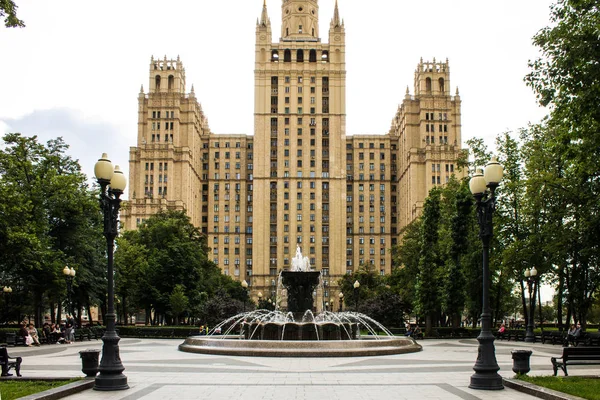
{"x": 297, "y": 331}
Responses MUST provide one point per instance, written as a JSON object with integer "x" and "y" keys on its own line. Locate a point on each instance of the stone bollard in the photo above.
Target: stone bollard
{"x": 521, "y": 361}
{"x": 89, "y": 362}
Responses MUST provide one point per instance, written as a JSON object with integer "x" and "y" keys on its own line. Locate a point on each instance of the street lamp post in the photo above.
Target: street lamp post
{"x": 531, "y": 281}
{"x": 69, "y": 274}
{"x": 7, "y": 290}
{"x": 356, "y": 292}
{"x": 341, "y": 295}
{"x": 245, "y": 286}
{"x": 486, "y": 368}
{"x": 112, "y": 184}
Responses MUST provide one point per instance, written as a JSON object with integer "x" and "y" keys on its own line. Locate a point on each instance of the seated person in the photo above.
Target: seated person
{"x": 573, "y": 334}
{"x": 417, "y": 332}
{"x": 34, "y": 334}
{"x": 502, "y": 328}
{"x": 409, "y": 331}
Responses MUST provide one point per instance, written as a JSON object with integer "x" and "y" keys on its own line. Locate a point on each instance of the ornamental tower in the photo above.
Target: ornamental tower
{"x": 300, "y": 135}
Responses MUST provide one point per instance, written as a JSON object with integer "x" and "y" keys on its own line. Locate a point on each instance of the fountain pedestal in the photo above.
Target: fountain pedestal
{"x": 300, "y": 286}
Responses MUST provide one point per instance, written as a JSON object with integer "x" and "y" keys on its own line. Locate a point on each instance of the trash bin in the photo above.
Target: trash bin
{"x": 521, "y": 361}
{"x": 89, "y": 362}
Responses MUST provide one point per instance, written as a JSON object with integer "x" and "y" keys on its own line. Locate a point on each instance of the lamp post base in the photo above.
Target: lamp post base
{"x": 106, "y": 382}
{"x": 486, "y": 368}
{"x": 486, "y": 381}
{"x": 111, "y": 369}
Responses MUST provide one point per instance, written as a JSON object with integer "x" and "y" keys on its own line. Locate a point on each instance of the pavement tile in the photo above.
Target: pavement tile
{"x": 157, "y": 370}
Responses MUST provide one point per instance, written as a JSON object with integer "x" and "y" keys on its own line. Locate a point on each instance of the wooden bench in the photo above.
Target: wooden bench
{"x": 7, "y": 364}
{"x": 589, "y": 338}
{"x": 554, "y": 337}
{"x": 516, "y": 335}
{"x": 576, "y": 356}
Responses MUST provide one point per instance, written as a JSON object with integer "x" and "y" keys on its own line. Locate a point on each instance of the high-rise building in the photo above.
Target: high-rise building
{"x": 299, "y": 179}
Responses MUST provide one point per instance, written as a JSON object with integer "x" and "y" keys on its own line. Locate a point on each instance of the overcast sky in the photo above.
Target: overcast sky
{"x": 76, "y": 69}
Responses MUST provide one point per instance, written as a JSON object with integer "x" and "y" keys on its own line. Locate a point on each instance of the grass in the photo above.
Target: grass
{"x": 588, "y": 388}
{"x": 10, "y": 390}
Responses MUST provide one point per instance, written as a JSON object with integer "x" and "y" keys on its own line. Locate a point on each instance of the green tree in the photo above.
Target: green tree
{"x": 131, "y": 263}
{"x": 454, "y": 295}
{"x": 8, "y": 11}
{"x": 405, "y": 258}
{"x": 48, "y": 218}
{"x": 370, "y": 283}
{"x": 167, "y": 251}
{"x": 179, "y": 302}
{"x": 566, "y": 78}
{"x": 426, "y": 290}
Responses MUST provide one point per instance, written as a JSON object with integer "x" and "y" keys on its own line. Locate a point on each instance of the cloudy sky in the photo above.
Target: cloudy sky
{"x": 76, "y": 69}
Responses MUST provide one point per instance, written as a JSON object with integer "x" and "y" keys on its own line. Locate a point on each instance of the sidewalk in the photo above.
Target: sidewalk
{"x": 157, "y": 370}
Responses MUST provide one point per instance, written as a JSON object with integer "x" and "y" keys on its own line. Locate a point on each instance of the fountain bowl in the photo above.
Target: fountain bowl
{"x": 234, "y": 346}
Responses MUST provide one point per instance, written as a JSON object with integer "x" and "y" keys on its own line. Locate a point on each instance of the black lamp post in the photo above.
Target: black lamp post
{"x": 69, "y": 274}
{"x": 245, "y": 286}
{"x": 111, "y": 369}
{"x": 531, "y": 281}
{"x": 486, "y": 368}
{"x": 356, "y": 292}
{"x": 341, "y": 295}
{"x": 7, "y": 290}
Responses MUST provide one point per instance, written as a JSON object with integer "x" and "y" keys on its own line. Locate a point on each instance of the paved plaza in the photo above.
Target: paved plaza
{"x": 157, "y": 370}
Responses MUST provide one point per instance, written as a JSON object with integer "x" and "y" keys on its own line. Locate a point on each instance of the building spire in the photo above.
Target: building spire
{"x": 264, "y": 17}
{"x": 336, "y": 16}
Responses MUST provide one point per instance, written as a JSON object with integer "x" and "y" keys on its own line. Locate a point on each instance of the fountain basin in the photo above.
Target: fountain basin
{"x": 234, "y": 346}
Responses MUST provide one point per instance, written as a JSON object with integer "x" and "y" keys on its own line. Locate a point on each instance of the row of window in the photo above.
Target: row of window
{"x": 149, "y": 191}
{"x": 161, "y": 179}
{"x": 166, "y": 114}
{"x": 238, "y": 145}
{"x": 438, "y": 167}
{"x": 431, "y": 128}
{"x": 431, "y": 140}
{"x": 161, "y": 166}
{"x": 431, "y": 116}
{"x": 168, "y": 126}
{"x": 156, "y": 138}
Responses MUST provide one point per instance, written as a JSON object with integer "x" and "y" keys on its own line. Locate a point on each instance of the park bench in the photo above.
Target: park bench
{"x": 576, "y": 356}
{"x": 593, "y": 339}
{"x": 7, "y": 364}
{"x": 462, "y": 333}
{"x": 554, "y": 337}
{"x": 82, "y": 334}
{"x": 516, "y": 335}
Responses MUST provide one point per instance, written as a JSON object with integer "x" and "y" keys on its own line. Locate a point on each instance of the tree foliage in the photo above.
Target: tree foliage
{"x": 8, "y": 11}
{"x": 48, "y": 218}
{"x": 167, "y": 256}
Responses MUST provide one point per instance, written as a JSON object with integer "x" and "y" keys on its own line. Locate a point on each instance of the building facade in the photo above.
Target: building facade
{"x": 299, "y": 179}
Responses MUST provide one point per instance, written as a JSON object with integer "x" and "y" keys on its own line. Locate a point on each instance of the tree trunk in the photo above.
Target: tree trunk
{"x": 524, "y": 302}
{"x": 89, "y": 313}
{"x": 124, "y": 304}
{"x": 59, "y": 312}
{"x": 559, "y": 298}
{"x": 37, "y": 307}
{"x": 539, "y": 294}
{"x": 52, "y": 313}
{"x": 428, "y": 324}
